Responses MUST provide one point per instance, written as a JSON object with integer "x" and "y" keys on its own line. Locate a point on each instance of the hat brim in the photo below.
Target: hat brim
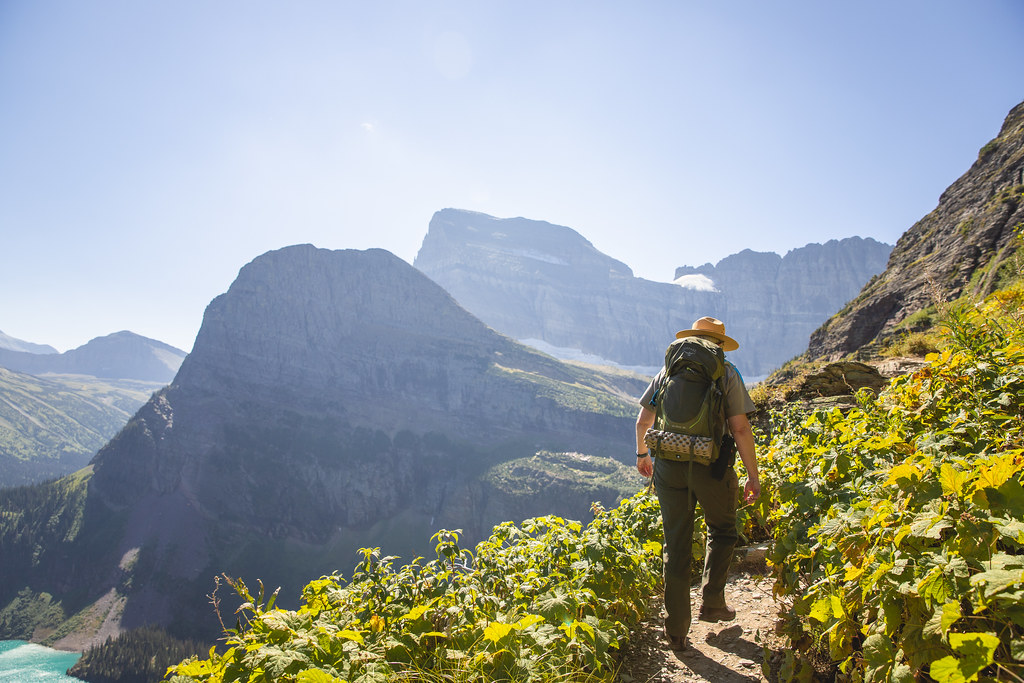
{"x": 728, "y": 343}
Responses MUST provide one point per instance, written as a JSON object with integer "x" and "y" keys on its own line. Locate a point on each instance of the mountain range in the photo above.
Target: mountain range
{"x": 332, "y": 400}
{"x": 342, "y": 399}
{"x": 548, "y": 286}
{"x": 122, "y": 355}
{"x": 12, "y": 344}
{"x": 58, "y": 409}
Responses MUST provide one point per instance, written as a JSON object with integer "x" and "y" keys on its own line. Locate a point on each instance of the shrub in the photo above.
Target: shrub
{"x": 547, "y": 600}
{"x": 899, "y": 528}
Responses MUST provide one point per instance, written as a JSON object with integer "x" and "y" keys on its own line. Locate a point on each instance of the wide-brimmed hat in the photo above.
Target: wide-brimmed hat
{"x": 712, "y": 327}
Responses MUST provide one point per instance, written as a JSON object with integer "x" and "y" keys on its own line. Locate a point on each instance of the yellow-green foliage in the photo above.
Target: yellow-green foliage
{"x": 899, "y": 527}
{"x": 547, "y": 472}
{"x": 572, "y": 395}
{"x": 547, "y": 600}
{"x": 913, "y": 344}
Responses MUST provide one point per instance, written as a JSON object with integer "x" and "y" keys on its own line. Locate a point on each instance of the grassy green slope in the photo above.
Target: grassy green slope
{"x": 53, "y": 425}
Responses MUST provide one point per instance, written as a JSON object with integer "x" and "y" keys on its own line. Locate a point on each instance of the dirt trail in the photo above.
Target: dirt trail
{"x": 724, "y": 652}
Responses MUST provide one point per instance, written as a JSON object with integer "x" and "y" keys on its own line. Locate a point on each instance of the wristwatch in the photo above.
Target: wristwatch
{"x": 643, "y": 455}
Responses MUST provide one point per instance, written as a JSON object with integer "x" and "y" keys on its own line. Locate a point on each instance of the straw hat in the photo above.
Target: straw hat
{"x": 711, "y": 327}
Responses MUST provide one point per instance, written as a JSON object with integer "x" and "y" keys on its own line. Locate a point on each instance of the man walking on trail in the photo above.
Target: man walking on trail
{"x": 681, "y": 484}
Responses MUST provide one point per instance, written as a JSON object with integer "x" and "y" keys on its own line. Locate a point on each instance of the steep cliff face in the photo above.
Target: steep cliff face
{"x": 354, "y": 349}
{"x": 775, "y": 302}
{"x": 956, "y": 249}
{"x": 534, "y": 280}
{"x": 333, "y": 400}
{"x": 537, "y": 281}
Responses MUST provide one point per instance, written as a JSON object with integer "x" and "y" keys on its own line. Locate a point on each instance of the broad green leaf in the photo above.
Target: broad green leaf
{"x": 878, "y": 657}
{"x": 929, "y": 525}
{"x": 1012, "y": 530}
{"x": 976, "y": 650}
{"x": 957, "y": 566}
{"x": 1006, "y": 561}
{"x": 996, "y": 473}
{"x": 317, "y": 676}
{"x": 276, "y": 621}
{"x": 952, "y": 480}
{"x": 947, "y": 670}
{"x": 554, "y": 606}
{"x": 902, "y": 673}
{"x": 415, "y": 613}
{"x": 882, "y": 569}
{"x": 196, "y": 668}
{"x": 892, "y": 607}
{"x": 942, "y": 618}
{"x": 573, "y": 630}
{"x": 528, "y": 621}
{"x": 935, "y": 586}
{"x": 996, "y": 580}
{"x": 281, "y": 662}
{"x": 901, "y": 534}
{"x": 902, "y": 471}
{"x": 496, "y": 630}
{"x": 821, "y": 609}
{"x": 837, "y": 607}
{"x": 1009, "y": 496}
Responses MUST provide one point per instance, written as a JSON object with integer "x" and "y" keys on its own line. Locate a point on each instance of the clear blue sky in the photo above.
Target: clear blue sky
{"x": 148, "y": 150}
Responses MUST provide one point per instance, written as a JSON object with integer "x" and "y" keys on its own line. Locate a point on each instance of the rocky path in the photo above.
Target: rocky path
{"x": 725, "y": 652}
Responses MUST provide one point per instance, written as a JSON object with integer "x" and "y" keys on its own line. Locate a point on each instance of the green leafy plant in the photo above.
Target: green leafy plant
{"x": 899, "y": 527}
{"x": 545, "y": 600}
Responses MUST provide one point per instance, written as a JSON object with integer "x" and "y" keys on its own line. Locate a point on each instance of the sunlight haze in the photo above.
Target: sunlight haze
{"x": 150, "y": 150}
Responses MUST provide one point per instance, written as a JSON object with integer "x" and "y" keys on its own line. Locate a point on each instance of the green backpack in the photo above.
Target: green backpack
{"x": 690, "y": 417}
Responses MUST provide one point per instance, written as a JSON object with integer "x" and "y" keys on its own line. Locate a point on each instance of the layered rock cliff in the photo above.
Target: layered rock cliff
{"x": 774, "y": 303}
{"x": 962, "y": 247}
{"x": 537, "y": 281}
{"x": 333, "y": 400}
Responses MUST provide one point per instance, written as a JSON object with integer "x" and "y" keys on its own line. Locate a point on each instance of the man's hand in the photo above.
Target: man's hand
{"x": 751, "y": 490}
{"x": 645, "y": 465}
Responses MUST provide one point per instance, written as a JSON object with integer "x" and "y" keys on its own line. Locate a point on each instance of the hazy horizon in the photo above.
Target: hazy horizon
{"x": 151, "y": 151}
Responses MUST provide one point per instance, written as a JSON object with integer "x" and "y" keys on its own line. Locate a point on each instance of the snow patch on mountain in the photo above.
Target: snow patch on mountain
{"x": 696, "y": 282}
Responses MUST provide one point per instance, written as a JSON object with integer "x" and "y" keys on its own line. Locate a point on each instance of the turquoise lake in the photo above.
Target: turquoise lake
{"x": 22, "y": 662}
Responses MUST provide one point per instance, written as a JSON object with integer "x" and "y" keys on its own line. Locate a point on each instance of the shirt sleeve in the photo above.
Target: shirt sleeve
{"x": 737, "y": 400}
{"x": 649, "y": 400}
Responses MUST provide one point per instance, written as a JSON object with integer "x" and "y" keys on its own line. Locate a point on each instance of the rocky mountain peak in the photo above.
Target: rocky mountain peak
{"x": 958, "y": 248}
{"x": 548, "y": 286}
{"x": 13, "y": 344}
{"x": 122, "y": 355}
{"x": 336, "y": 400}
{"x": 332, "y": 322}
{"x": 535, "y": 247}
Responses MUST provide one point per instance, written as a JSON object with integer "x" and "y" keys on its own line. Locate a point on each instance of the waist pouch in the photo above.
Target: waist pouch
{"x": 726, "y": 458}
{"x": 680, "y": 447}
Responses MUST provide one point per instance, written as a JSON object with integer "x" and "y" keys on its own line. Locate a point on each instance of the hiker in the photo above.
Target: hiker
{"x": 681, "y": 484}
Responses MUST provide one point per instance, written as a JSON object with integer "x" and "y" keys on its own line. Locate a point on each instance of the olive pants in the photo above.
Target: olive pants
{"x": 680, "y": 486}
